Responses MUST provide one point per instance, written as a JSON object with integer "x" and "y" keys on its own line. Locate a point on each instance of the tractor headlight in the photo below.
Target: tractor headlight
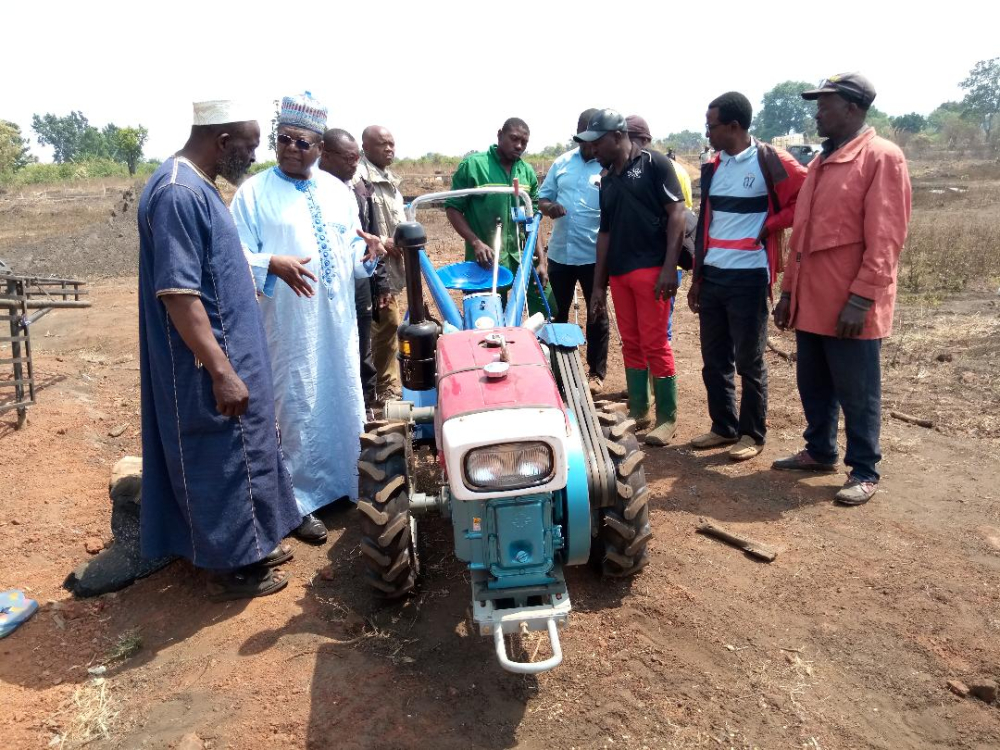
{"x": 508, "y": 466}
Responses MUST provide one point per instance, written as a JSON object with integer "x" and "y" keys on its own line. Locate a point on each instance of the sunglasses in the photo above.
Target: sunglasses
{"x": 300, "y": 143}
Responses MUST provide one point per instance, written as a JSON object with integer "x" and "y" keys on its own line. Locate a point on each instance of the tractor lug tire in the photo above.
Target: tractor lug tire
{"x": 387, "y": 544}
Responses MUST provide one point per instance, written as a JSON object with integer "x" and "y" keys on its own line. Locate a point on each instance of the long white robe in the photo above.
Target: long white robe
{"x": 313, "y": 342}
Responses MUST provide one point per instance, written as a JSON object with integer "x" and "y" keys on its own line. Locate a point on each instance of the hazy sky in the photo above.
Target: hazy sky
{"x": 444, "y": 75}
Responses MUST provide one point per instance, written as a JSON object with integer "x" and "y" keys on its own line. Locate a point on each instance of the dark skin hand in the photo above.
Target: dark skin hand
{"x": 666, "y": 284}
{"x": 551, "y": 209}
{"x": 694, "y": 297}
{"x": 484, "y": 253}
{"x": 852, "y": 318}
{"x": 599, "y": 297}
{"x": 782, "y": 312}
{"x": 391, "y": 249}
{"x": 293, "y": 272}
{"x": 188, "y": 315}
{"x": 542, "y": 267}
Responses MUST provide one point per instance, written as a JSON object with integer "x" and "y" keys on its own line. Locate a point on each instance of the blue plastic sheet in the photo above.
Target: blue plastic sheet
{"x": 15, "y": 610}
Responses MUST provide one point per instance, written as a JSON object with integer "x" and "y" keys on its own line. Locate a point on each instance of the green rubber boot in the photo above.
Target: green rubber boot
{"x": 637, "y": 383}
{"x": 665, "y": 390}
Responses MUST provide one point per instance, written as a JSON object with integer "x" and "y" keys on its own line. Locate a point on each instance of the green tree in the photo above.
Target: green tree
{"x": 943, "y": 113}
{"x": 879, "y": 120}
{"x": 126, "y": 145}
{"x": 685, "y": 140}
{"x": 783, "y": 111}
{"x": 911, "y": 123}
{"x": 64, "y": 134}
{"x": 14, "y": 153}
{"x": 557, "y": 149}
{"x": 982, "y": 92}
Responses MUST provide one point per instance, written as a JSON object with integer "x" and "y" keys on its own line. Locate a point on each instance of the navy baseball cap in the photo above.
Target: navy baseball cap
{"x": 604, "y": 122}
{"x": 852, "y": 86}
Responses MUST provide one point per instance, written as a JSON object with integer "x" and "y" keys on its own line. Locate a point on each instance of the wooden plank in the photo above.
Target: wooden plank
{"x": 9, "y": 339}
{"x": 12, "y": 360}
{"x": 918, "y": 421}
{"x": 751, "y": 547}
{"x": 19, "y": 381}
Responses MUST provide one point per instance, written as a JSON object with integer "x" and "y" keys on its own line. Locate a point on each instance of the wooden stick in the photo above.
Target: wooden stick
{"x": 751, "y": 547}
{"x": 790, "y": 356}
{"x": 928, "y": 423}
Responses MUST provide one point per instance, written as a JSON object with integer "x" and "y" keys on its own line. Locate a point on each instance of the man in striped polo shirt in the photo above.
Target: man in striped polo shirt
{"x": 748, "y": 194}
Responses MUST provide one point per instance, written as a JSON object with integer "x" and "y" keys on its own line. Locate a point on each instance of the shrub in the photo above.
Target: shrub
{"x": 40, "y": 174}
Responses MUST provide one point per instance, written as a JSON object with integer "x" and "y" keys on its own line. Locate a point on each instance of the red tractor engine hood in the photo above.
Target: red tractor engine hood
{"x": 463, "y": 387}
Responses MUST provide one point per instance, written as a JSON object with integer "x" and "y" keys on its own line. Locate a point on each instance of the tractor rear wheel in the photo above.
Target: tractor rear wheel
{"x": 623, "y": 530}
{"x": 387, "y": 544}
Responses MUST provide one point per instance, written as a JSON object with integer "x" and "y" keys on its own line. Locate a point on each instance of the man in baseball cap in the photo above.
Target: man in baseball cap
{"x": 638, "y": 244}
{"x": 839, "y": 287}
{"x": 604, "y": 122}
{"x": 853, "y": 87}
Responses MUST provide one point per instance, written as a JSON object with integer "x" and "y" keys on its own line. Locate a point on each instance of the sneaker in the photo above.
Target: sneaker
{"x": 856, "y": 492}
{"x": 802, "y": 461}
{"x": 745, "y": 449}
{"x": 596, "y": 385}
{"x": 711, "y": 440}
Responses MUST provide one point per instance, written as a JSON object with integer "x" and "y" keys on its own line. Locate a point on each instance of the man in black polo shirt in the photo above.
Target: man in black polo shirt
{"x": 638, "y": 245}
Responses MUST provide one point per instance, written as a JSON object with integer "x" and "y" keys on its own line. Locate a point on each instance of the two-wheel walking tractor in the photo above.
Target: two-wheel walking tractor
{"x": 533, "y": 475}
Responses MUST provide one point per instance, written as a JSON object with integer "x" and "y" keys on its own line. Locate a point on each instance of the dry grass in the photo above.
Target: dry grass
{"x": 954, "y": 239}
{"x": 89, "y": 716}
{"x": 125, "y": 646}
{"x": 943, "y": 363}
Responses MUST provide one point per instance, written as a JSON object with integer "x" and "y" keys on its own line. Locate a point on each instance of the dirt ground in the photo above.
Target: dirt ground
{"x": 847, "y": 640}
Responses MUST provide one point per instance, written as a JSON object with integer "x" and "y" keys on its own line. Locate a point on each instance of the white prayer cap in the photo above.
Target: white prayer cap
{"x": 222, "y": 111}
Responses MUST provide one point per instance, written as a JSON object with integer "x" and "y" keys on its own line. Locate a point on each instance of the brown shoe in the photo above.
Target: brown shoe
{"x": 711, "y": 440}
{"x": 745, "y": 449}
{"x": 802, "y": 461}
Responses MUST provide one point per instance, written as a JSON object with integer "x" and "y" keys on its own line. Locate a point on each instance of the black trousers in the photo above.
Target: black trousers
{"x": 733, "y": 324}
{"x": 363, "y": 305}
{"x": 563, "y": 279}
{"x": 841, "y": 374}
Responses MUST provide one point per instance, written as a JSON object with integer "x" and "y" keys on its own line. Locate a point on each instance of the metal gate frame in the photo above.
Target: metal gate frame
{"x": 18, "y": 296}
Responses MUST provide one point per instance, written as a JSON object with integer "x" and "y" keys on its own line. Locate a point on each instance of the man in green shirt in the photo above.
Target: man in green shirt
{"x": 475, "y": 217}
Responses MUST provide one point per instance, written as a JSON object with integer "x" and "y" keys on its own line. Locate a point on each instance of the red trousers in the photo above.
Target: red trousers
{"x": 642, "y": 322}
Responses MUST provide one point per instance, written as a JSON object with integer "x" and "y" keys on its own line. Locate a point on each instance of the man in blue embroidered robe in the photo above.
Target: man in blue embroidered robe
{"x": 214, "y": 487}
{"x": 300, "y": 224}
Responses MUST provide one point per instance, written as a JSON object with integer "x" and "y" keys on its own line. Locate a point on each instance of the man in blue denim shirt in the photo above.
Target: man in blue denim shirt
{"x": 570, "y": 196}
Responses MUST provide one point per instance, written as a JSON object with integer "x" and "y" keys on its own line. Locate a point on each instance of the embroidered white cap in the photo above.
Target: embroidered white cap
{"x": 222, "y": 111}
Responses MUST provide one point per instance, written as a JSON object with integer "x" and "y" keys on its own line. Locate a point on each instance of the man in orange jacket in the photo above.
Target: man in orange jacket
{"x": 748, "y": 194}
{"x": 839, "y": 289}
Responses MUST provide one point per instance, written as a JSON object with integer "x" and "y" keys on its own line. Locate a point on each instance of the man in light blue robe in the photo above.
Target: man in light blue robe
{"x": 300, "y": 224}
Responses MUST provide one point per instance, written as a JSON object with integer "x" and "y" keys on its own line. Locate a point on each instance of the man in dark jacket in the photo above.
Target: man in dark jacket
{"x": 340, "y": 158}
{"x": 748, "y": 194}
